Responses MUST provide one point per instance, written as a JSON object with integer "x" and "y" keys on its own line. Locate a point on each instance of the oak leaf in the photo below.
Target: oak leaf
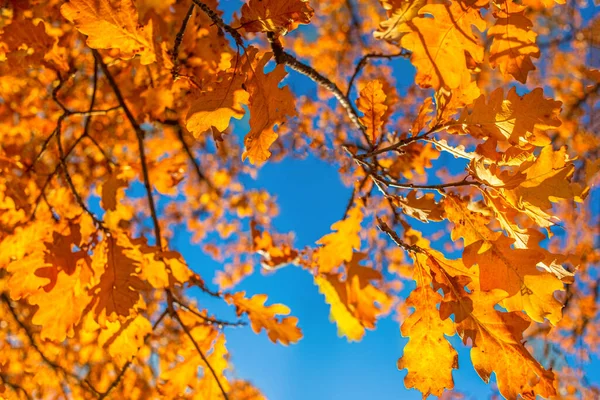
{"x": 497, "y": 347}
{"x": 60, "y": 309}
{"x": 112, "y": 24}
{"x": 278, "y": 16}
{"x": 423, "y": 208}
{"x": 371, "y": 102}
{"x": 124, "y": 339}
{"x": 443, "y": 46}
{"x": 216, "y": 107}
{"x": 119, "y": 286}
{"x": 274, "y": 256}
{"x": 515, "y": 119}
{"x": 428, "y": 355}
{"x": 269, "y": 105}
{"x": 355, "y": 302}
{"x": 513, "y": 41}
{"x": 264, "y": 317}
{"x": 338, "y": 246}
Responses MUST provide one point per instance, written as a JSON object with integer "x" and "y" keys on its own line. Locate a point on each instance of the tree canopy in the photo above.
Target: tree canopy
{"x": 467, "y": 132}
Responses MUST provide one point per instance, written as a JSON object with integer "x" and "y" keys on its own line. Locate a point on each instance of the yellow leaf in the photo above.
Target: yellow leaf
{"x": 112, "y": 24}
{"x": 60, "y": 309}
{"x": 338, "y": 246}
{"x": 124, "y": 339}
{"x": 440, "y": 44}
{"x": 428, "y": 355}
{"x": 355, "y": 302}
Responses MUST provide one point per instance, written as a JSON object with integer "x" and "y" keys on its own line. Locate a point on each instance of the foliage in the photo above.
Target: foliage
{"x": 116, "y": 119}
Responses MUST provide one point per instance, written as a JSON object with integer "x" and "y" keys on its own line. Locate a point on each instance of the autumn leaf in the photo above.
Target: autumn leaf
{"x": 273, "y": 256}
{"x": 278, "y": 16}
{"x": 513, "y": 41}
{"x": 371, "y": 102}
{"x": 69, "y": 300}
{"x": 269, "y": 105}
{"x": 355, "y": 302}
{"x": 516, "y": 119}
{"x": 399, "y": 13}
{"x": 500, "y": 334}
{"x": 423, "y": 208}
{"x": 215, "y": 108}
{"x": 339, "y": 245}
{"x": 283, "y": 330}
{"x": 28, "y": 45}
{"x": 118, "y": 290}
{"x": 112, "y": 24}
{"x": 440, "y": 44}
{"x": 124, "y": 340}
{"x": 428, "y": 356}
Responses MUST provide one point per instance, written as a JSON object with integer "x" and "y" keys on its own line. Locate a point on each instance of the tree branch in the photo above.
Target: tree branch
{"x": 140, "y": 139}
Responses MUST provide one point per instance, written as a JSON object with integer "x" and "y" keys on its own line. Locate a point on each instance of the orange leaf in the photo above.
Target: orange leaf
{"x": 279, "y": 16}
{"x": 108, "y": 25}
{"x": 216, "y": 107}
{"x": 515, "y": 119}
{"x": 269, "y": 105}
{"x": 264, "y": 317}
{"x": 117, "y": 293}
{"x": 371, "y": 102}
{"x": 440, "y": 44}
{"x": 513, "y": 41}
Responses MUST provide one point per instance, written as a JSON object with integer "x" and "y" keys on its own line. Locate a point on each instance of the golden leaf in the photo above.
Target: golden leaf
{"x": 428, "y": 355}
{"x": 338, "y": 246}
{"x": 264, "y": 317}
{"x": 112, "y": 24}
{"x": 216, "y": 107}
{"x": 515, "y": 119}
{"x": 355, "y": 302}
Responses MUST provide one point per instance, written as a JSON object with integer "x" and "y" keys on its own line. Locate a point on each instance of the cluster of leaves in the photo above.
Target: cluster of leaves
{"x": 131, "y": 103}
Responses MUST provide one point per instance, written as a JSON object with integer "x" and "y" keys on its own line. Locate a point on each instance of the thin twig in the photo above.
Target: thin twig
{"x": 188, "y": 151}
{"x": 178, "y": 40}
{"x": 206, "y": 318}
{"x": 202, "y": 356}
{"x": 218, "y": 21}
{"x": 464, "y": 182}
{"x": 140, "y": 139}
{"x": 363, "y": 61}
{"x": 395, "y": 146}
{"x": 396, "y": 239}
{"x": 281, "y": 57}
